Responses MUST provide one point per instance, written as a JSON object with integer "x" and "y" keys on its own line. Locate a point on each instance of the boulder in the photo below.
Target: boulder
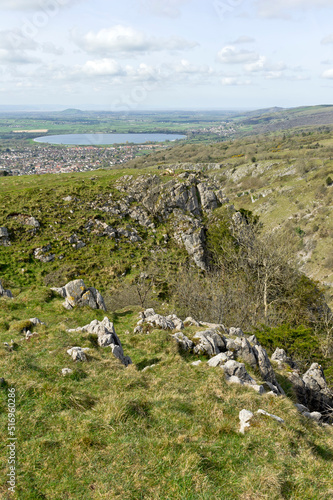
{"x": 243, "y": 349}
{"x": 319, "y": 397}
{"x": 211, "y": 343}
{"x": 220, "y": 359}
{"x": 78, "y": 353}
{"x": 233, "y": 368}
{"x": 236, "y": 332}
{"x": 207, "y": 197}
{"x": 280, "y": 357}
{"x": 5, "y": 293}
{"x": 76, "y": 293}
{"x": 184, "y": 343}
{"x": 106, "y": 337}
{"x": 189, "y": 321}
{"x": 157, "y": 321}
{"x": 265, "y": 366}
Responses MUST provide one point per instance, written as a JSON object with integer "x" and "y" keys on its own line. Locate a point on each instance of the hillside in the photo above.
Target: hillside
{"x": 121, "y": 411}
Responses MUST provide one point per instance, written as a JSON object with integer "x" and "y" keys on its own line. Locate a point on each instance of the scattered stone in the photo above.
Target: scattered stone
{"x": 148, "y": 368}
{"x": 76, "y": 293}
{"x": 4, "y": 237}
{"x": 41, "y": 254}
{"x": 244, "y": 417}
{"x": 5, "y": 293}
{"x": 196, "y": 363}
{"x": 184, "y": 342}
{"x": 78, "y": 353}
{"x": 278, "y": 419}
{"x": 106, "y": 337}
{"x": 36, "y": 321}
{"x": 66, "y": 371}
{"x": 211, "y": 343}
{"x": 233, "y": 368}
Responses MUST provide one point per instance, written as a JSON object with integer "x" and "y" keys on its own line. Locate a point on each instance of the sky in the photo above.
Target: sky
{"x": 132, "y": 55}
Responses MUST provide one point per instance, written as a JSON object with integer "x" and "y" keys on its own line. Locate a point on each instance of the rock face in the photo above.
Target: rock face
{"x": 5, "y": 293}
{"x": 236, "y": 373}
{"x": 106, "y": 337}
{"x": 76, "y": 293}
{"x": 4, "y": 237}
{"x": 265, "y": 367}
{"x": 280, "y": 357}
{"x": 318, "y": 396}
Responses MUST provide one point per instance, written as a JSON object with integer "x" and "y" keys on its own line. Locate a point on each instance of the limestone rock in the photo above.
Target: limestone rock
{"x": 196, "y": 363}
{"x": 233, "y": 368}
{"x": 236, "y": 332}
{"x": 211, "y": 343}
{"x": 265, "y": 366}
{"x": 190, "y": 322}
{"x": 278, "y": 419}
{"x": 158, "y": 321}
{"x": 220, "y": 359}
{"x": 4, "y": 237}
{"x": 280, "y": 357}
{"x": 78, "y": 353}
{"x": 318, "y": 395}
{"x": 5, "y": 293}
{"x": 76, "y": 294}
{"x": 244, "y": 417}
{"x": 243, "y": 349}
{"x": 184, "y": 342}
{"x": 66, "y": 371}
{"x": 106, "y": 337}
{"x": 43, "y": 255}
{"x": 207, "y": 197}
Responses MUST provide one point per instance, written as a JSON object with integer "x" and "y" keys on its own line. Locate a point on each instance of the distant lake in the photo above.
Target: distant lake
{"x": 105, "y": 139}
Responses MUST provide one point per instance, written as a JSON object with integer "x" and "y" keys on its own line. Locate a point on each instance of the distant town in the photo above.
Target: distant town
{"x": 25, "y": 160}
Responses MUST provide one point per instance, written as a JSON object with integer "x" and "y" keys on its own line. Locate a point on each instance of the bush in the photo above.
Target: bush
{"x": 329, "y": 181}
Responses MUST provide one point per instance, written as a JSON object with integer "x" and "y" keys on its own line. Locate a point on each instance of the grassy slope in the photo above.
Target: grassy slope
{"x": 167, "y": 433}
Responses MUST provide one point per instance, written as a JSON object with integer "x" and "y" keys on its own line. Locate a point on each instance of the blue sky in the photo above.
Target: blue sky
{"x": 171, "y": 54}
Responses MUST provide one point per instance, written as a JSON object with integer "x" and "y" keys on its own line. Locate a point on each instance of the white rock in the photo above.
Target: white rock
{"x": 66, "y": 371}
{"x": 244, "y": 417}
{"x": 196, "y": 363}
{"x": 278, "y": 419}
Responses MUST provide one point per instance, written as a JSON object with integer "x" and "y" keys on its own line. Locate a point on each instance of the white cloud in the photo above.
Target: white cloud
{"x": 258, "y": 65}
{"x": 185, "y": 67}
{"x": 282, "y": 8}
{"x": 234, "y": 82}
{"x": 101, "y": 67}
{"x": 230, "y": 55}
{"x": 16, "y": 57}
{"x": 164, "y": 8}
{"x": 124, "y": 39}
{"x": 35, "y": 4}
{"x": 328, "y": 74}
{"x": 328, "y": 39}
{"x": 243, "y": 39}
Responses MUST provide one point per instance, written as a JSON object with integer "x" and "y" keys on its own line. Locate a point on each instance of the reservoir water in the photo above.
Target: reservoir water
{"x": 106, "y": 139}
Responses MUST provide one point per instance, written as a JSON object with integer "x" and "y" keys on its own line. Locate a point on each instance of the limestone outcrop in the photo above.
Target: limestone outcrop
{"x": 76, "y": 294}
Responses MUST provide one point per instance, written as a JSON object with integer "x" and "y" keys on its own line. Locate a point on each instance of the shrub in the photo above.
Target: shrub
{"x": 329, "y": 181}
